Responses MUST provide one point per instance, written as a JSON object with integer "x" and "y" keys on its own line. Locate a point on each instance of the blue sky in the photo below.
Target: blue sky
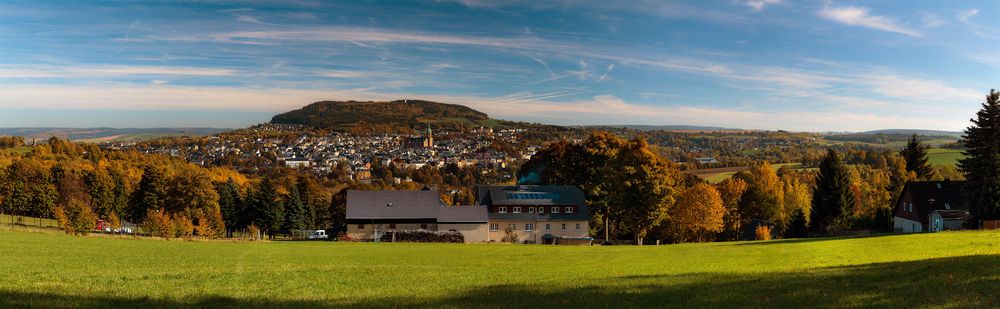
{"x": 760, "y": 64}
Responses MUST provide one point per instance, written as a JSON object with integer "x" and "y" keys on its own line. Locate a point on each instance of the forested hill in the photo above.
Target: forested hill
{"x": 394, "y": 116}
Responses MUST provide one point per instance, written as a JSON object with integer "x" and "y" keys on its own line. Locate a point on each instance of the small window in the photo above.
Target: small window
{"x": 529, "y": 226}
{"x": 541, "y": 210}
{"x": 517, "y": 210}
{"x": 361, "y": 226}
{"x": 512, "y": 226}
{"x": 503, "y": 210}
{"x": 555, "y": 210}
{"x": 548, "y": 227}
{"x": 564, "y": 226}
{"x": 569, "y": 210}
{"x": 531, "y": 210}
{"x": 577, "y": 226}
{"x": 494, "y": 227}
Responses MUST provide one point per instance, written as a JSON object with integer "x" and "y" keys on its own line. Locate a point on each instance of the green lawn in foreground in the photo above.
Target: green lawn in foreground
{"x": 951, "y": 269}
{"x": 941, "y": 156}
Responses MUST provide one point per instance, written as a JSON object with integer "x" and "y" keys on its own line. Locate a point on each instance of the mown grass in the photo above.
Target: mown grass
{"x": 942, "y": 156}
{"x": 952, "y": 269}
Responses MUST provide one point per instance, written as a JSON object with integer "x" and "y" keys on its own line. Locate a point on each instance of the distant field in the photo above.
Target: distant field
{"x": 940, "y": 156}
{"x": 19, "y": 149}
{"x": 717, "y": 175}
{"x": 952, "y": 269}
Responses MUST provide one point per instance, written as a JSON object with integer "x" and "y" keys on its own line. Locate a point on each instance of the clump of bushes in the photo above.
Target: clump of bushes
{"x": 763, "y": 232}
{"x": 75, "y": 217}
{"x": 424, "y": 236}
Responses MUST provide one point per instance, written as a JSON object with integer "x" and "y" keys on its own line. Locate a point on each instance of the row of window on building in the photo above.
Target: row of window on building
{"x": 528, "y": 226}
{"x": 531, "y": 209}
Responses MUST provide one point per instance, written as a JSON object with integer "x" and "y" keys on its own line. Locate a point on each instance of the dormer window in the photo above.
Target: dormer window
{"x": 555, "y": 210}
{"x": 502, "y": 210}
{"x": 541, "y": 209}
{"x": 947, "y": 206}
{"x": 517, "y": 210}
{"x": 531, "y": 209}
{"x": 569, "y": 210}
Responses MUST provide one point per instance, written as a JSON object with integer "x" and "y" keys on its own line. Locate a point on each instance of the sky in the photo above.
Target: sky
{"x": 752, "y": 64}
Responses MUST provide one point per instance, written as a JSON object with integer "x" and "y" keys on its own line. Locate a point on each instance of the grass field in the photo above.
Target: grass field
{"x": 941, "y": 156}
{"x": 717, "y": 175}
{"x": 952, "y": 269}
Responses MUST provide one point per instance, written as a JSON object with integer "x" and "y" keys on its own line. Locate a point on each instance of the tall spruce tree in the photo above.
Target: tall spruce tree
{"x": 230, "y": 204}
{"x": 982, "y": 163}
{"x": 295, "y": 213}
{"x": 832, "y": 197}
{"x": 267, "y": 209}
{"x": 915, "y": 154}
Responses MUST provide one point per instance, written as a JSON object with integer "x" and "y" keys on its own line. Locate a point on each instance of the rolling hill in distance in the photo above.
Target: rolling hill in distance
{"x": 106, "y": 134}
{"x": 392, "y": 116}
{"x": 401, "y": 116}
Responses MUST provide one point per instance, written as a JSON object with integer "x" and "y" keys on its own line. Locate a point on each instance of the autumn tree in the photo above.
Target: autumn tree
{"x": 696, "y": 216}
{"x": 832, "y": 198}
{"x": 644, "y": 187}
{"x": 915, "y": 154}
{"x": 764, "y": 197}
{"x": 731, "y": 191}
{"x": 151, "y": 194}
{"x": 982, "y": 163}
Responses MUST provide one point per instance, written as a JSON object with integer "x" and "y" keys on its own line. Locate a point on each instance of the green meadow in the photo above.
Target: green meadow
{"x": 950, "y": 269}
{"x": 942, "y": 156}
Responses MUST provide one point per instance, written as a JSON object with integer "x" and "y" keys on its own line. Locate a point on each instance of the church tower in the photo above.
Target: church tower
{"x": 429, "y": 140}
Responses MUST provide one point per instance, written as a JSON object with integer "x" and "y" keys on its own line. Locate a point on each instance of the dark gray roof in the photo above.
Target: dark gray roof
{"x": 423, "y": 204}
{"x": 534, "y": 195}
{"x": 460, "y": 214}
{"x": 531, "y": 195}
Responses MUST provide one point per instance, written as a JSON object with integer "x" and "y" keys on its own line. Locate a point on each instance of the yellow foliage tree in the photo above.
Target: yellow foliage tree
{"x": 697, "y": 215}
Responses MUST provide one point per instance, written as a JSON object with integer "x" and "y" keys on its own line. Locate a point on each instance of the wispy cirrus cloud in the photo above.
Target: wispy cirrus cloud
{"x": 44, "y": 71}
{"x": 862, "y": 17}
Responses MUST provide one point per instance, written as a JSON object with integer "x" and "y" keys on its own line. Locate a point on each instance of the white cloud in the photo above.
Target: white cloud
{"x": 859, "y": 16}
{"x": 109, "y": 70}
{"x": 758, "y": 5}
{"x": 158, "y": 82}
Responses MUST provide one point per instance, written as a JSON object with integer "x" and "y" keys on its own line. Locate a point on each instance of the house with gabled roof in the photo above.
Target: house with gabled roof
{"x": 930, "y": 206}
{"x": 373, "y": 213}
{"x": 537, "y": 214}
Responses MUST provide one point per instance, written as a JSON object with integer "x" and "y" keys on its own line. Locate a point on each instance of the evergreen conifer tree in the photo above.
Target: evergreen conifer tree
{"x": 832, "y": 197}
{"x": 982, "y": 163}
{"x": 915, "y": 154}
{"x": 295, "y": 213}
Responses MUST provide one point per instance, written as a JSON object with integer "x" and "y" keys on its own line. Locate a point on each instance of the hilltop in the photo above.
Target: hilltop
{"x": 392, "y": 116}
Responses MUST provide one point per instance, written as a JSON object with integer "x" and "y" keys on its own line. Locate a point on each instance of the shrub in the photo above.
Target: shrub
{"x": 509, "y": 235}
{"x": 158, "y": 223}
{"x": 75, "y": 217}
{"x": 183, "y": 227}
{"x": 345, "y": 237}
{"x": 763, "y": 232}
{"x": 253, "y": 232}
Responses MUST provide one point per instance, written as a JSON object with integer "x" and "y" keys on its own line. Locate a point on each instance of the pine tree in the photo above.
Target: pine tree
{"x": 915, "y": 154}
{"x": 798, "y": 227}
{"x": 982, "y": 163}
{"x": 832, "y": 197}
{"x": 230, "y": 204}
{"x": 267, "y": 212}
{"x": 295, "y": 213}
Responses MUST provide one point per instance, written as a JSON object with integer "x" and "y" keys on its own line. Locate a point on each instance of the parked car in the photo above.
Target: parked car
{"x": 318, "y": 234}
